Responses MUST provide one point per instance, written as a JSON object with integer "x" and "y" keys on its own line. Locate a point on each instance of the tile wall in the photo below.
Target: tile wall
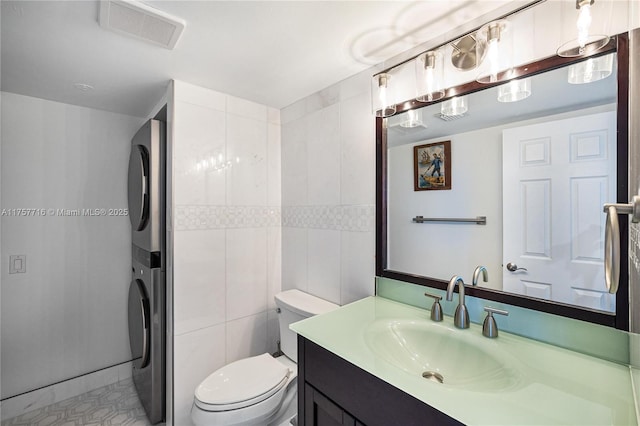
{"x": 226, "y": 232}
{"x": 328, "y": 193}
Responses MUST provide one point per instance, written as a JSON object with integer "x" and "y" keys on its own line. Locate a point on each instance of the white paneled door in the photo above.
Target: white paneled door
{"x": 556, "y": 177}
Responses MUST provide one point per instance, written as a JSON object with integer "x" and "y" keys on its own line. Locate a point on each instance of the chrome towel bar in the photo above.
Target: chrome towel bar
{"x": 480, "y": 220}
{"x": 612, "y": 239}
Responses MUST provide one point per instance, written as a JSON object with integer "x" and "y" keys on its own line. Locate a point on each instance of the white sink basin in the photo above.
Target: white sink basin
{"x": 460, "y": 358}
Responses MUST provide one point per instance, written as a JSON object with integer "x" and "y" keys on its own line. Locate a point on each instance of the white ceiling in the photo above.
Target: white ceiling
{"x": 270, "y": 52}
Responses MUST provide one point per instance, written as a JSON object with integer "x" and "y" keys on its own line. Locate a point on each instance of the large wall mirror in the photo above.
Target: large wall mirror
{"x": 538, "y": 170}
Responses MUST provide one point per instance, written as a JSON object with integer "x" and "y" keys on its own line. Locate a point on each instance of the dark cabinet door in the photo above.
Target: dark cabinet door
{"x": 332, "y": 391}
{"x": 321, "y": 411}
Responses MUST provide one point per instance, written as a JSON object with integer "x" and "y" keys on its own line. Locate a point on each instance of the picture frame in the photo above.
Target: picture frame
{"x": 432, "y": 166}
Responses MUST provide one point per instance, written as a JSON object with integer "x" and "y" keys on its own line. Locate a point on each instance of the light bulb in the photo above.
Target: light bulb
{"x": 588, "y": 70}
{"x": 583, "y": 24}
{"x": 493, "y": 51}
{"x": 429, "y": 80}
{"x": 383, "y": 96}
{"x": 493, "y": 56}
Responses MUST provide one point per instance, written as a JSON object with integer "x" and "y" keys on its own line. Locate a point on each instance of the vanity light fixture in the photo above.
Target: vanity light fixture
{"x": 429, "y": 76}
{"x": 593, "y": 69}
{"x": 412, "y": 118}
{"x": 382, "y": 95}
{"x": 467, "y": 52}
{"x": 455, "y": 106}
{"x": 515, "y": 90}
{"x": 585, "y": 43}
{"x": 497, "y": 65}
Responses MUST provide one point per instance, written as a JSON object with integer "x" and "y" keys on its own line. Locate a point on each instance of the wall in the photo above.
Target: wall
{"x": 67, "y": 315}
{"x": 475, "y": 165}
{"x": 226, "y": 233}
{"x": 328, "y": 193}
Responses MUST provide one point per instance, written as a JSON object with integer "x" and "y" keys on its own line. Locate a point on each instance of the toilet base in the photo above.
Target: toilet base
{"x": 289, "y": 408}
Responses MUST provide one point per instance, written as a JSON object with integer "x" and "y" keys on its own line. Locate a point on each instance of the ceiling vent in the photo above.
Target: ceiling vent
{"x": 144, "y": 22}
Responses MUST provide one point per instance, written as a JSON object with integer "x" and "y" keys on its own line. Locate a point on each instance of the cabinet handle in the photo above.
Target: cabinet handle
{"x": 612, "y": 239}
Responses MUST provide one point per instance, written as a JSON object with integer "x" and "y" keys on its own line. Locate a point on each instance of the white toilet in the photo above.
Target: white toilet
{"x": 260, "y": 390}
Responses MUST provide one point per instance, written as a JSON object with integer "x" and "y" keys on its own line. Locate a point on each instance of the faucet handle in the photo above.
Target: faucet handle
{"x": 436, "y": 308}
{"x": 490, "y": 327}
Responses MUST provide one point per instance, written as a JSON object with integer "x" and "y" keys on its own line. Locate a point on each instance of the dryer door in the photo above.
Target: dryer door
{"x": 138, "y": 187}
{"x": 139, "y": 326}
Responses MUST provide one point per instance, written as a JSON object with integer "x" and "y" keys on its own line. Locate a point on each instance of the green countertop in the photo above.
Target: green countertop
{"x": 548, "y": 385}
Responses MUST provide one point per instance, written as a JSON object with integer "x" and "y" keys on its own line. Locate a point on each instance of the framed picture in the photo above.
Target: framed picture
{"x": 432, "y": 166}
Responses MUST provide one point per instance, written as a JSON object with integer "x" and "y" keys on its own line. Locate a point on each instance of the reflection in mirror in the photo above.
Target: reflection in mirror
{"x": 538, "y": 159}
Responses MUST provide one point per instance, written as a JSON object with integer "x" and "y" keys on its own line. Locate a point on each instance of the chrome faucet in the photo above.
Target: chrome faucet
{"x": 461, "y": 317}
{"x": 476, "y": 275}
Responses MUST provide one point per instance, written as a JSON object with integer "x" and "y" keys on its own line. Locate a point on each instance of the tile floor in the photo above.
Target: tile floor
{"x": 115, "y": 404}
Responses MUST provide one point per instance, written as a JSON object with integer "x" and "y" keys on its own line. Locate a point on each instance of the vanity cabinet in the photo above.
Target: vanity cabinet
{"x": 332, "y": 392}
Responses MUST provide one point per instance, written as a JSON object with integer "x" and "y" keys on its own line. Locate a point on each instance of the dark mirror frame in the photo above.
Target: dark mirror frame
{"x": 619, "y": 44}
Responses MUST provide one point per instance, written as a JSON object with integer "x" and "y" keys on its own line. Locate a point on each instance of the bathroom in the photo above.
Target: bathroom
{"x": 295, "y": 209}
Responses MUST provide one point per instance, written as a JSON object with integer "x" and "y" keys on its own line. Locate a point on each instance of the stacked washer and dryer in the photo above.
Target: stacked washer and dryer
{"x": 146, "y": 309}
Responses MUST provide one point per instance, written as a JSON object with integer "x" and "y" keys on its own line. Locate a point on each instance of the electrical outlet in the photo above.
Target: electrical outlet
{"x": 18, "y": 264}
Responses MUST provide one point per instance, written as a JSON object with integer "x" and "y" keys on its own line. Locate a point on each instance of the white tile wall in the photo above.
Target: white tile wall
{"x": 322, "y": 137}
{"x": 202, "y": 134}
{"x": 294, "y": 163}
{"x": 246, "y": 272}
{"x": 328, "y": 193}
{"x": 195, "y": 355}
{"x": 358, "y": 152}
{"x": 246, "y": 337}
{"x": 274, "y": 194}
{"x": 324, "y": 264}
{"x": 358, "y": 263}
{"x": 200, "y": 272}
{"x": 274, "y": 264}
{"x": 247, "y": 152}
{"x": 227, "y": 239}
{"x": 294, "y": 258}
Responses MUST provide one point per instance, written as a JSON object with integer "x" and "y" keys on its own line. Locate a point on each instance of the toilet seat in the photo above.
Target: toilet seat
{"x": 242, "y": 383}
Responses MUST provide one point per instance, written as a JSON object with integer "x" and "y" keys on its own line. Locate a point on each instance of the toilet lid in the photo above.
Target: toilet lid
{"x": 242, "y": 383}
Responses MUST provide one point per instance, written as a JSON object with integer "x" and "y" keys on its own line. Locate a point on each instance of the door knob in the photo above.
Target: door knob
{"x": 513, "y": 267}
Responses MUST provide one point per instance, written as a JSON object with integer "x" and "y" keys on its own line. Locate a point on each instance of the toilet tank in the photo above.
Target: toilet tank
{"x": 295, "y": 305}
